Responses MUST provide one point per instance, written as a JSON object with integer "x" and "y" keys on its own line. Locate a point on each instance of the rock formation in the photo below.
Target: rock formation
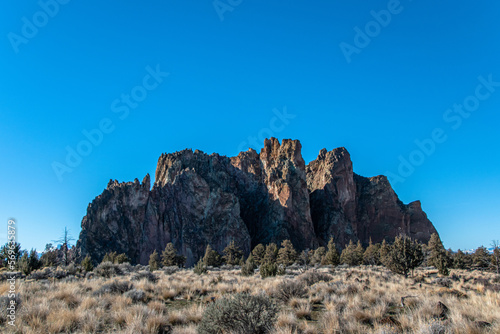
{"x": 199, "y": 199}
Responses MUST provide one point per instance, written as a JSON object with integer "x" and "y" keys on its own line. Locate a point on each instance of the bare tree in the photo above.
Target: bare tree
{"x": 495, "y": 256}
{"x": 65, "y": 241}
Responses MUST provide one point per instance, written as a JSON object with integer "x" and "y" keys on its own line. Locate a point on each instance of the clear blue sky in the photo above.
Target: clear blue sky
{"x": 226, "y": 76}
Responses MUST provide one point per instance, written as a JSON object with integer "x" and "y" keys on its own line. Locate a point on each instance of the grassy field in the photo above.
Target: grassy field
{"x": 326, "y": 300}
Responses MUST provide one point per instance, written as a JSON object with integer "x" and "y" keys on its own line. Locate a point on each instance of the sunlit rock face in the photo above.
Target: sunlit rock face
{"x": 199, "y": 199}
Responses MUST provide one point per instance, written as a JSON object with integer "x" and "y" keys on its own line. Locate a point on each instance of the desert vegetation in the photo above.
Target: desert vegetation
{"x": 403, "y": 287}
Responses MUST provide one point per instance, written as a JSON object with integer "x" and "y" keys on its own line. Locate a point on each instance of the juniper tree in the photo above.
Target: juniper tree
{"x": 304, "y": 257}
{"x": 352, "y": 255}
{"x": 212, "y": 257}
{"x": 461, "y": 260}
{"x": 29, "y": 262}
{"x": 481, "y": 257}
{"x": 169, "y": 257}
{"x": 49, "y": 256}
{"x": 258, "y": 254}
{"x": 495, "y": 256}
{"x": 248, "y": 268}
{"x": 87, "y": 263}
{"x": 371, "y": 255}
{"x": 232, "y": 253}
{"x": 384, "y": 253}
{"x": 121, "y": 258}
{"x": 154, "y": 261}
{"x": 332, "y": 256}
{"x": 271, "y": 253}
{"x": 286, "y": 254}
{"x": 11, "y": 252}
{"x": 438, "y": 256}
{"x": 405, "y": 255}
{"x": 318, "y": 256}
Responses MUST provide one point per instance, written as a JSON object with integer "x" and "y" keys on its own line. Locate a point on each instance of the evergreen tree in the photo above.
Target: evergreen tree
{"x": 460, "y": 260}
{"x": 232, "y": 254}
{"x": 212, "y": 258}
{"x": 121, "y": 258}
{"x": 271, "y": 253}
{"x": 438, "y": 256}
{"x": 319, "y": 254}
{"x": 481, "y": 257}
{"x": 116, "y": 258}
{"x": 405, "y": 255}
{"x": 384, "y": 253}
{"x": 258, "y": 254}
{"x": 49, "y": 256}
{"x": 11, "y": 252}
{"x": 34, "y": 262}
{"x": 169, "y": 257}
{"x": 332, "y": 256}
{"x": 371, "y": 255}
{"x": 248, "y": 268}
{"x": 359, "y": 252}
{"x": 304, "y": 258}
{"x": 87, "y": 264}
{"x": 352, "y": 254}
{"x": 23, "y": 264}
{"x": 154, "y": 261}
{"x": 286, "y": 254}
{"x": 109, "y": 257}
{"x": 495, "y": 256}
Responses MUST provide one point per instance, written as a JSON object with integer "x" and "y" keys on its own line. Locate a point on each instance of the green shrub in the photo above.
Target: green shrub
{"x": 200, "y": 268}
{"x": 248, "y": 268}
{"x": 268, "y": 269}
{"x": 87, "y": 263}
{"x": 239, "y": 314}
{"x": 154, "y": 261}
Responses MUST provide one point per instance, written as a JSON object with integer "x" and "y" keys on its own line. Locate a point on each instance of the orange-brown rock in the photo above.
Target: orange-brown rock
{"x": 199, "y": 199}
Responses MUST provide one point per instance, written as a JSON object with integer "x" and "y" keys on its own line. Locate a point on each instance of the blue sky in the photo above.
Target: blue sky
{"x": 232, "y": 67}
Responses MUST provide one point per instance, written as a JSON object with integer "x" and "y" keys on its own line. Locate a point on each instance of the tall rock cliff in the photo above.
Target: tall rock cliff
{"x": 199, "y": 199}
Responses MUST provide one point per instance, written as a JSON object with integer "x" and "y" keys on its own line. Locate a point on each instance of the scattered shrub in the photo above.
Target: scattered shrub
{"x": 312, "y": 277}
{"x": 239, "y": 314}
{"x": 170, "y": 270}
{"x": 108, "y": 269}
{"x": 287, "y": 290}
{"x": 446, "y": 282}
{"x": 115, "y": 287}
{"x": 136, "y": 295}
{"x": 149, "y": 276}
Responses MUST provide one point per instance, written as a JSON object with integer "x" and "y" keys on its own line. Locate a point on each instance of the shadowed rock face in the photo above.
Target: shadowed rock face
{"x": 199, "y": 199}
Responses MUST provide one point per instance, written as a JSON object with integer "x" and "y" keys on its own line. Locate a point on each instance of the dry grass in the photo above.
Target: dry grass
{"x": 339, "y": 300}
